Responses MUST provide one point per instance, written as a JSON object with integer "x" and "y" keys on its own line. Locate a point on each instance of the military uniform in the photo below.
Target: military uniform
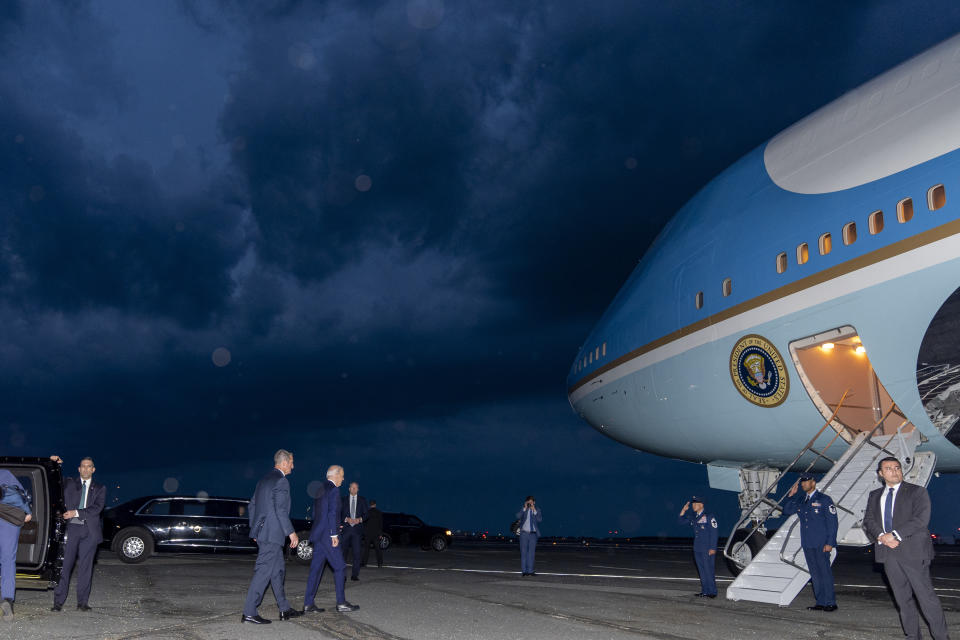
{"x": 705, "y": 536}
{"x": 818, "y": 527}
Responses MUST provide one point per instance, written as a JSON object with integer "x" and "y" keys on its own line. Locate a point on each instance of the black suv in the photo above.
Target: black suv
{"x": 138, "y": 528}
{"x": 404, "y": 529}
{"x": 40, "y": 551}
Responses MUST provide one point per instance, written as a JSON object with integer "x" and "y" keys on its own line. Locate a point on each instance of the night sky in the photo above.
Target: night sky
{"x": 374, "y": 233}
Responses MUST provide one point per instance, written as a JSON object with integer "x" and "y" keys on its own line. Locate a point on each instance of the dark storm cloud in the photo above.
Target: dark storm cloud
{"x": 377, "y": 229}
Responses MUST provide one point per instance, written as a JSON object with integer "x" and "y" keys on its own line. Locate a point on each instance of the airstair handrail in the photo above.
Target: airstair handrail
{"x": 864, "y": 439}
{"x": 731, "y": 545}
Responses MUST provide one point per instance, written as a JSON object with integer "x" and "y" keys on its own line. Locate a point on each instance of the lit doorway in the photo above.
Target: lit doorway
{"x": 831, "y": 362}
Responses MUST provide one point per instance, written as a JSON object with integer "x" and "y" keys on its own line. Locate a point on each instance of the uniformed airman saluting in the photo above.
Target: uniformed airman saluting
{"x": 704, "y": 544}
{"x": 818, "y": 536}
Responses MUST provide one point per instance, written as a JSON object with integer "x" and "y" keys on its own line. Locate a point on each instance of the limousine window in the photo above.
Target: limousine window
{"x": 157, "y": 508}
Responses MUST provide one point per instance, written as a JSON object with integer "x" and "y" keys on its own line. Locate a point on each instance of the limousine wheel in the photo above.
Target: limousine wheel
{"x": 384, "y": 541}
{"x": 439, "y": 543}
{"x": 134, "y": 545}
{"x": 304, "y": 551}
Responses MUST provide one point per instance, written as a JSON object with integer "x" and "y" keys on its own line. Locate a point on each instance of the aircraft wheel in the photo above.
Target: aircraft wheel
{"x": 744, "y": 550}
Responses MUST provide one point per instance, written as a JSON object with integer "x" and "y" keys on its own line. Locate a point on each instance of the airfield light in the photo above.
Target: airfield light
{"x": 827, "y": 346}
{"x": 861, "y": 349}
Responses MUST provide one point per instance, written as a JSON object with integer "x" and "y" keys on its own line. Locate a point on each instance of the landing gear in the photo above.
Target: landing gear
{"x": 743, "y": 548}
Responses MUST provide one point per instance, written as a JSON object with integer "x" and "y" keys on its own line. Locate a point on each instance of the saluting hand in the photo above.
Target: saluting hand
{"x": 793, "y": 489}
{"x": 685, "y": 507}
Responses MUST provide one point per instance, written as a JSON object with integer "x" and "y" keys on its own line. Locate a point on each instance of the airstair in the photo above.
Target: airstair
{"x": 778, "y": 571}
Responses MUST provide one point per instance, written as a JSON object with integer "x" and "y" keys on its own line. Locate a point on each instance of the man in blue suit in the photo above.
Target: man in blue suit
{"x": 325, "y": 538}
{"x": 84, "y": 499}
{"x": 530, "y": 518}
{"x": 354, "y": 512}
{"x": 269, "y": 526}
{"x": 818, "y": 537}
{"x": 705, "y": 535}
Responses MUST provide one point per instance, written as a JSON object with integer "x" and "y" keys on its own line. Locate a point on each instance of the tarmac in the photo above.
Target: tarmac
{"x": 473, "y": 591}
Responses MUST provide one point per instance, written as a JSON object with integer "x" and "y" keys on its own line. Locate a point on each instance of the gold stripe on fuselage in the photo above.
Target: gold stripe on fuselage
{"x": 884, "y": 253}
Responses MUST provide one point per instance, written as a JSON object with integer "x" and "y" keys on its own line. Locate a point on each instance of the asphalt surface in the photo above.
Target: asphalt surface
{"x": 473, "y": 591}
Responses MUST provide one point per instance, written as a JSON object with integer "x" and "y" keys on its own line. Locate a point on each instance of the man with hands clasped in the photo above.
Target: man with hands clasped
{"x": 705, "y": 536}
{"x": 897, "y": 517}
{"x": 818, "y": 537}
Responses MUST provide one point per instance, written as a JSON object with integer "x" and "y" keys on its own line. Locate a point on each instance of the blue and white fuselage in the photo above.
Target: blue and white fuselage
{"x": 767, "y": 249}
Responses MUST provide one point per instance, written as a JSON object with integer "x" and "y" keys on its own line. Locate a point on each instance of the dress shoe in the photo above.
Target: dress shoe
{"x": 312, "y": 608}
{"x": 346, "y": 607}
{"x": 290, "y": 613}
{"x": 254, "y": 619}
{"x": 532, "y": 573}
{"x": 83, "y": 607}
{"x": 829, "y": 607}
{"x": 816, "y": 607}
{"x": 355, "y": 578}
{"x": 56, "y": 607}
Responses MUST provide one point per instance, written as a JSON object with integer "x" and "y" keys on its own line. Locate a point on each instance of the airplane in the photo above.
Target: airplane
{"x": 825, "y": 261}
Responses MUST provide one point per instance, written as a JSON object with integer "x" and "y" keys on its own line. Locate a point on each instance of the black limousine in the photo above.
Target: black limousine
{"x": 40, "y": 549}
{"x": 137, "y": 529}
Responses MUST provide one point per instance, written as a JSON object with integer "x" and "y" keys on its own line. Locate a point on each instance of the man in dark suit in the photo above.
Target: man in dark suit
{"x": 84, "y": 500}
{"x": 325, "y": 538}
{"x": 897, "y": 517}
{"x": 372, "y": 529}
{"x": 354, "y": 510}
{"x": 269, "y": 515}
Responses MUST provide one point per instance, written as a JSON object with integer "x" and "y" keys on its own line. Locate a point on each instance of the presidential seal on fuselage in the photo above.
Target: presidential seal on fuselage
{"x": 758, "y": 371}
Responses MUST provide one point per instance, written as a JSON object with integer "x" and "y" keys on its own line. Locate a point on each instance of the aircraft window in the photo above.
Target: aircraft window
{"x": 698, "y": 300}
{"x": 936, "y": 197}
{"x": 781, "y": 263}
{"x": 597, "y": 352}
{"x": 850, "y": 233}
{"x": 727, "y": 287}
{"x": 876, "y": 222}
{"x": 803, "y": 253}
{"x": 905, "y": 210}
{"x": 604, "y": 352}
{"x": 825, "y": 243}
{"x": 591, "y": 358}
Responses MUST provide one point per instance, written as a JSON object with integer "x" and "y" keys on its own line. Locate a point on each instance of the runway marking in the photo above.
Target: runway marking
{"x": 622, "y": 577}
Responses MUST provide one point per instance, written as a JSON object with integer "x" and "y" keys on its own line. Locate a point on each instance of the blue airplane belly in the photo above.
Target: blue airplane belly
{"x": 686, "y": 406}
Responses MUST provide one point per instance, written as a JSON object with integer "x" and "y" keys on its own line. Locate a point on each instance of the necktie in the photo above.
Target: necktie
{"x": 83, "y": 495}
{"x": 353, "y": 506}
{"x": 888, "y": 512}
